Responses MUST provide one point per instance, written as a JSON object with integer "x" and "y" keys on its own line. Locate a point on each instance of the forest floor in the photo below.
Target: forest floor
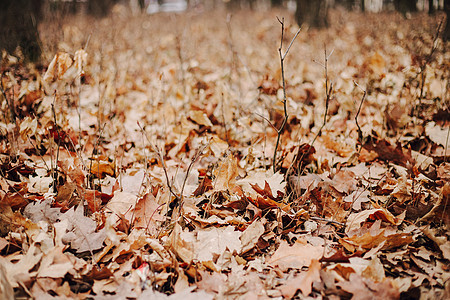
{"x": 138, "y": 161}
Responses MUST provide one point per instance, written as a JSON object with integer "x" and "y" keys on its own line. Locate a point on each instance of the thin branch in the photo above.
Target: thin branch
{"x": 94, "y": 152}
{"x": 360, "y": 134}
{"x": 161, "y": 160}
{"x": 282, "y": 58}
{"x": 181, "y": 59}
{"x": 428, "y": 60}
{"x": 446, "y": 145}
{"x": 292, "y": 41}
{"x": 267, "y": 120}
{"x": 234, "y": 63}
{"x": 329, "y": 92}
{"x": 191, "y": 164}
{"x": 55, "y": 173}
{"x": 327, "y": 221}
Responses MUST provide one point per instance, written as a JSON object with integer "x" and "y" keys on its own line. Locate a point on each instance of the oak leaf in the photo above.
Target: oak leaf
{"x": 299, "y": 255}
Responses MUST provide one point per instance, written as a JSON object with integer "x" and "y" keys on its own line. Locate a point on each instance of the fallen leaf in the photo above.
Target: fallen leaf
{"x": 55, "y": 264}
{"x": 437, "y": 134}
{"x": 81, "y": 232}
{"x": 226, "y": 174}
{"x": 213, "y": 242}
{"x": 298, "y": 255}
{"x": 200, "y": 118}
{"x": 302, "y": 281}
{"x": 251, "y": 235}
{"x": 362, "y": 288}
{"x": 355, "y": 220}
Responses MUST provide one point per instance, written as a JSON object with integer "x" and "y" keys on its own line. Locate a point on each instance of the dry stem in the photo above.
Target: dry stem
{"x": 282, "y": 58}
{"x": 360, "y": 134}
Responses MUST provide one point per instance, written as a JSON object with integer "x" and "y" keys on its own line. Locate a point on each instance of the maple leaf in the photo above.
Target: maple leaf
{"x": 81, "y": 231}
{"x": 357, "y": 197}
{"x": 147, "y": 213}
{"x": 42, "y": 211}
{"x": 213, "y": 242}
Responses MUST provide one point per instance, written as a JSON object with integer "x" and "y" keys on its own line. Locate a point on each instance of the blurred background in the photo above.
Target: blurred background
{"x": 19, "y": 19}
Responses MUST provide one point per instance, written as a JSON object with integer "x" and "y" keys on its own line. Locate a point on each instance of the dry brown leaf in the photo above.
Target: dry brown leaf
{"x": 226, "y": 174}
{"x": 6, "y": 290}
{"x": 81, "y": 232}
{"x": 437, "y": 134}
{"x": 218, "y": 146}
{"x": 362, "y": 288}
{"x": 355, "y": 220}
{"x": 298, "y": 255}
{"x": 147, "y": 214}
{"x": 21, "y": 272}
{"x": 200, "y": 118}
{"x": 302, "y": 281}
{"x": 101, "y": 168}
{"x": 369, "y": 241}
{"x": 340, "y": 148}
{"x": 55, "y": 264}
{"x": 344, "y": 181}
{"x": 213, "y": 243}
{"x": 251, "y": 235}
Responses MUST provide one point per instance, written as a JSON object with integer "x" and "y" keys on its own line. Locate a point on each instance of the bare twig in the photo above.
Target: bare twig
{"x": 446, "y": 145}
{"x": 233, "y": 52}
{"x": 360, "y": 134}
{"x": 282, "y": 58}
{"x": 55, "y": 171}
{"x": 428, "y": 60}
{"x": 328, "y": 92}
{"x": 267, "y": 120}
{"x": 191, "y": 164}
{"x": 94, "y": 152}
{"x": 327, "y": 221}
{"x": 161, "y": 160}
{"x": 180, "y": 57}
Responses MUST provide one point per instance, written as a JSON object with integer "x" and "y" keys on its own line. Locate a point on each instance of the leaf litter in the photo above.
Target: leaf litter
{"x": 143, "y": 168}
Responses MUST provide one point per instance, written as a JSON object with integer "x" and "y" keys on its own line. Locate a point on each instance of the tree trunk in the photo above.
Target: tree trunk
{"x": 431, "y": 9}
{"x": 314, "y": 13}
{"x": 18, "y": 27}
{"x": 363, "y": 5}
{"x": 276, "y": 3}
{"x": 405, "y": 6}
{"x": 142, "y": 4}
{"x": 100, "y": 8}
{"x": 446, "y": 35}
{"x": 347, "y": 4}
{"x": 233, "y": 4}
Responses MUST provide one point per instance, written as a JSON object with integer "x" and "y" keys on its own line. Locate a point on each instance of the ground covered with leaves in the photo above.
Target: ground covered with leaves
{"x": 139, "y": 162}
